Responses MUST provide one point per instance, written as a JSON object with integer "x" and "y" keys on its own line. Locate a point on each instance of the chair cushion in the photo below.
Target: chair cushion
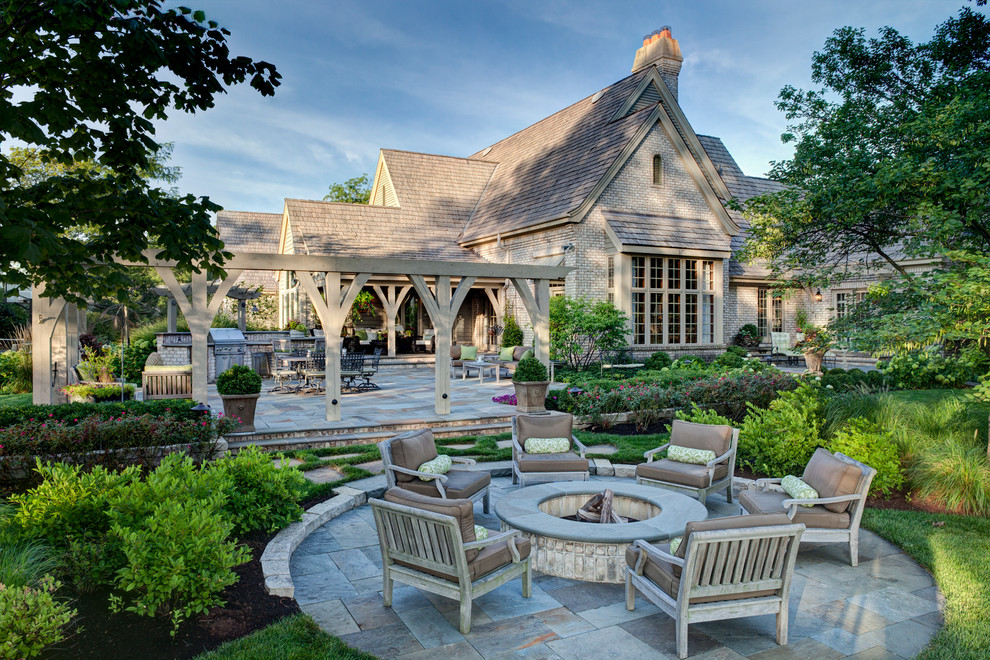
{"x": 554, "y": 425}
{"x": 439, "y": 465}
{"x": 461, "y": 484}
{"x": 547, "y": 445}
{"x": 755, "y": 501}
{"x": 517, "y": 352}
{"x": 151, "y": 369}
{"x": 684, "y": 474}
{"x": 505, "y": 355}
{"x": 469, "y": 353}
{"x": 411, "y": 449}
{"x": 462, "y": 509}
{"x": 832, "y": 477}
{"x": 455, "y": 352}
{"x": 701, "y": 436}
{"x": 497, "y": 555}
{"x": 680, "y": 454}
{"x": 798, "y": 490}
{"x": 569, "y": 462}
{"x": 527, "y": 354}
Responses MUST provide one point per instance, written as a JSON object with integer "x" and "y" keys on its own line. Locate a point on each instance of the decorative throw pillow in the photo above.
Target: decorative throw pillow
{"x": 480, "y": 533}
{"x": 439, "y": 465}
{"x": 675, "y": 543}
{"x": 527, "y": 354}
{"x": 547, "y": 445}
{"x": 505, "y": 355}
{"x": 798, "y": 490}
{"x": 680, "y": 454}
{"x": 469, "y": 353}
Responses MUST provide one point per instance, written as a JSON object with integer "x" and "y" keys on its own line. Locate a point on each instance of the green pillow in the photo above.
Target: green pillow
{"x": 469, "y": 352}
{"x": 675, "y": 543}
{"x": 527, "y": 354}
{"x": 480, "y": 533}
{"x": 505, "y": 355}
{"x": 85, "y": 371}
{"x": 361, "y": 334}
{"x": 680, "y": 454}
{"x": 439, "y": 465}
{"x": 798, "y": 490}
{"x": 547, "y": 445}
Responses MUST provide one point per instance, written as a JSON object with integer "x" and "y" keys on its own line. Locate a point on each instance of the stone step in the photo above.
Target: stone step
{"x": 392, "y": 428}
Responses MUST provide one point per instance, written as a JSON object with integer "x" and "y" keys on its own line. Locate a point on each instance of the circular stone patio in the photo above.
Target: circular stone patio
{"x": 887, "y": 607}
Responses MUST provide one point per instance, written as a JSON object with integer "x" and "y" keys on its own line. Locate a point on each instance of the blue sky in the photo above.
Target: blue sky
{"x": 452, "y": 77}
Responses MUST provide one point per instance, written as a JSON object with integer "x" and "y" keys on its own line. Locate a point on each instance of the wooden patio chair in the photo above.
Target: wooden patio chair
{"x": 842, "y": 484}
{"x": 739, "y": 566}
{"x": 404, "y": 453}
{"x": 696, "y": 480}
{"x": 528, "y": 467}
{"x": 430, "y": 543}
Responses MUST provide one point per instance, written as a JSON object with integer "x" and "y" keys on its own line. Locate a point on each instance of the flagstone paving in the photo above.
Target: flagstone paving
{"x": 887, "y": 607}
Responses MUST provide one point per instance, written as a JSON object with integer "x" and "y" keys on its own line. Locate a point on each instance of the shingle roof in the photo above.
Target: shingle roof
{"x": 447, "y": 188}
{"x": 665, "y": 231}
{"x": 242, "y": 231}
{"x": 546, "y": 170}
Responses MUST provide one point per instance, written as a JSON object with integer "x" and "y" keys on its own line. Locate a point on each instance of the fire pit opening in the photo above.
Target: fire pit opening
{"x": 618, "y": 508}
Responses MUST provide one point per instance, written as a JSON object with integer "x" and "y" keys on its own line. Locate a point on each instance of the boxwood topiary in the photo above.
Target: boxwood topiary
{"x": 238, "y": 380}
{"x": 530, "y": 370}
{"x": 658, "y": 361}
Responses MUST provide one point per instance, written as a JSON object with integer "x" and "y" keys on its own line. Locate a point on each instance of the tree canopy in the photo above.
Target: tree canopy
{"x": 81, "y": 81}
{"x": 356, "y": 190}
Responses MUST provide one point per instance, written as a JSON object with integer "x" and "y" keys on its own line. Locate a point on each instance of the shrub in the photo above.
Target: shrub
{"x": 15, "y": 372}
{"x": 582, "y": 330}
{"x": 530, "y": 370}
{"x": 12, "y": 316}
{"x": 512, "y": 334}
{"x": 658, "y": 361}
{"x": 238, "y": 379}
{"x": 25, "y": 563}
{"x": 262, "y": 496}
{"x": 689, "y": 362}
{"x": 31, "y": 619}
{"x": 73, "y": 413}
{"x": 737, "y": 350}
{"x": 700, "y": 416}
{"x": 748, "y": 335}
{"x": 955, "y": 474}
{"x": 99, "y": 393}
{"x": 866, "y": 442}
{"x": 135, "y": 356}
{"x": 919, "y": 370}
{"x": 781, "y": 439}
{"x": 730, "y": 360}
{"x": 178, "y": 560}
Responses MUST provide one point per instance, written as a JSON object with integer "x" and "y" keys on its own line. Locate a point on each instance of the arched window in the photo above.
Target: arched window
{"x": 658, "y": 170}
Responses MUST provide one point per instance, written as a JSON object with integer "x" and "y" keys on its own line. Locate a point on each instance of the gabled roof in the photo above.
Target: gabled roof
{"x": 648, "y": 230}
{"x": 242, "y": 231}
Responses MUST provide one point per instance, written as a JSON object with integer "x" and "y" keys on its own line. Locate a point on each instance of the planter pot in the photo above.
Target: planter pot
{"x": 242, "y": 406}
{"x": 531, "y": 396}
{"x": 813, "y": 360}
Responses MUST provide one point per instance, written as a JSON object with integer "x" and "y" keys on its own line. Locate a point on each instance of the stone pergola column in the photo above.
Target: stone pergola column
{"x": 391, "y": 301}
{"x": 332, "y": 311}
{"x": 536, "y": 300}
{"x": 442, "y": 308}
{"x": 199, "y": 311}
{"x": 53, "y": 331}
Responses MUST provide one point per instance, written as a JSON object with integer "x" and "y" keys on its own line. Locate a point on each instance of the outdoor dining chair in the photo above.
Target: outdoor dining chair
{"x": 282, "y": 371}
{"x": 351, "y": 368}
{"x": 369, "y": 370}
{"x": 314, "y": 372}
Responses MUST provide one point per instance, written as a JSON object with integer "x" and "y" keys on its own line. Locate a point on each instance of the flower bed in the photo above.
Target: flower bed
{"x": 72, "y": 413}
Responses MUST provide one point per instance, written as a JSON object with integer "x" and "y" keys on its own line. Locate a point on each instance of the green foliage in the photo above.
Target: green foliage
{"x": 737, "y": 350}
{"x": 841, "y": 380}
{"x": 955, "y": 474}
{"x": 925, "y": 369}
{"x": 748, "y": 335}
{"x": 297, "y": 637}
{"x": 868, "y": 443}
{"x": 530, "y": 370}
{"x": 727, "y": 359}
{"x": 178, "y": 559}
{"x": 689, "y": 362}
{"x": 12, "y": 316}
{"x": 781, "y": 439}
{"x": 238, "y": 379}
{"x": 262, "y": 495}
{"x": 15, "y": 372}
{"x": 582, "y": 330}
{"x": 135, "y": 355}
{"x": 72, "y": 413}
{"x": 703, "y": 416}
{"x": 363, "y": 305}
{"x": 801, "y": 320}
{"x": 816, "y": 339}
{"x": 658, "y": 361}
{"x": 99, "y": 393}
{"x": 31, "y": 619}
{"x": 356, "y": 190}
{"x": 512, "y": 334}
{"x": 25, "y": 563}
{"x": 96, "y": 78}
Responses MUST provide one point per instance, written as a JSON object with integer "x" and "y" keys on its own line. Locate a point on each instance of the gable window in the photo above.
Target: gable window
{"x": 658, "y": 170}
{"x": 673, "y": 300}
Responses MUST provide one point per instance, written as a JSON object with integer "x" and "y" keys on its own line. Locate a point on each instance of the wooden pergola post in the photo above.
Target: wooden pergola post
{"x": 332, "y": 311}
{"x": 496, "y": 296}
{"x": 537, "y": 304}
{"x": 51, "y": 336}
{"x": 391, "y": 301}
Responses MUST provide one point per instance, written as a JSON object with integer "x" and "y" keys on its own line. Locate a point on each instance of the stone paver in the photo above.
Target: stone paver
{"x": 887, "y": 607}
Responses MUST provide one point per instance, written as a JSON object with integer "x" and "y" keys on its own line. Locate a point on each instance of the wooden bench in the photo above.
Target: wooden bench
{"x": 166, "y": 383}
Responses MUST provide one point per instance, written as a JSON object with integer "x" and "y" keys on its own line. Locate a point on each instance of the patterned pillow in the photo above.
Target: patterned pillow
{"x": 798, "y": 490}
{"x": 439, "y": 465}
{"x": 675, "y": 543}
{"x": 505, "y": 355}
{"x": 547, "y": 445}
{"x": 480, "y": 533}
{"x": 469, "y": 352}
{"x": 680, "y": 454}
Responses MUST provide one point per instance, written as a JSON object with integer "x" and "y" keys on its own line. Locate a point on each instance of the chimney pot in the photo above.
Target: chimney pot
{"x": 662, "y": 50}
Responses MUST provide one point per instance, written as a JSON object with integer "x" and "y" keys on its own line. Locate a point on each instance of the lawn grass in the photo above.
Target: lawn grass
{"x": 958, "y": 555}
{"x": 15, "y": 400}
{"x": 293, "y": 638}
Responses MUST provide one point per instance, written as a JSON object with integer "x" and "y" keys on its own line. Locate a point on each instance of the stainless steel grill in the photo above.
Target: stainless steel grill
{"x": 229, "y": 347}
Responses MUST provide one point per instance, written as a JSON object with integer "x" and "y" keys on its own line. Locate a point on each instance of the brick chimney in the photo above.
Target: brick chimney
{"x": 661, "y": 49}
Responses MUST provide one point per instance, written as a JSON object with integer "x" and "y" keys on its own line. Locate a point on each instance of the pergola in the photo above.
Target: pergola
{"x": 240, "y": 293}
{"x": 441, "y": 286}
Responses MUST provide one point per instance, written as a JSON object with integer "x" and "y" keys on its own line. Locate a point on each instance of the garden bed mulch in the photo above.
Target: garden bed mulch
{"x": 127, "y": 636}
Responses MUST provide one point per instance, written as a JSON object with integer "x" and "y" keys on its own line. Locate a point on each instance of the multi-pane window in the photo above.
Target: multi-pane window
{"x": 846, "y": 299}
{"x": 610, "y": 279}
{"x": 673, "y": 300}
{"x": 769, "y": 312}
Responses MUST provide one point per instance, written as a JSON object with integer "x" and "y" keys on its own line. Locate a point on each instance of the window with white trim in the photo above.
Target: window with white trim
{"x": 673, "y": 300}
{"x": 769, "y": 312}
{"x": 610, "y": 279}
{"x": 846, "y": 299}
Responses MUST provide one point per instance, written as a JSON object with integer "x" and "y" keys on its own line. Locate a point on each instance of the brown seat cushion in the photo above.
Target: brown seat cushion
{"x": 756, "y": 501}
{"x": 411, "y": 449}
{"x": 729, "y": 522}
{"x": 569, "y": 462}
{"x": 707, "y": 437}
{"x": 686, "y": 474}
{"x": 460, "y": 484}
{"x": 462, "y": 509}
{"x": 832, "y": 477}
{"x": 554, "y": 425}
{"x": 455, "y": 352}
{"x": 497, "y": 555}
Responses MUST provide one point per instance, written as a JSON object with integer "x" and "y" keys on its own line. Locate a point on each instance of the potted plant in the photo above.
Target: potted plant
{"x": 240, "y": 387}
{"x": 817, "y": 340}
{"x": 531, "y": 383}
{"x": 800, "y": 322}
{"x": 296, "y": 328}
{"x": 748, "y": 335}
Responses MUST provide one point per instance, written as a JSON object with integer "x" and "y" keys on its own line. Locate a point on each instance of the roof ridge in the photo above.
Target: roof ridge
{"x": 424, "y": 153}
{"x": 350, "y": 205}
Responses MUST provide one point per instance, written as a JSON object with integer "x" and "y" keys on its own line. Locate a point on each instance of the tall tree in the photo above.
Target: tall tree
{"x": 353, "y": 191}
{"x": 82, "y": 80}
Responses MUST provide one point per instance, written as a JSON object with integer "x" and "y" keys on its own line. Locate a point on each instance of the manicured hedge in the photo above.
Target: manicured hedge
{"x": 71, "y": 413}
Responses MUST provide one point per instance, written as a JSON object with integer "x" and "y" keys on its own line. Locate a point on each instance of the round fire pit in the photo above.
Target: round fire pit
{"x": 593, "y": 552}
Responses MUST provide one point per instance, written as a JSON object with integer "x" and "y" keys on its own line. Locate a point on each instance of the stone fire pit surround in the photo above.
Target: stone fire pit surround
{"x": 593, "y": 552}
